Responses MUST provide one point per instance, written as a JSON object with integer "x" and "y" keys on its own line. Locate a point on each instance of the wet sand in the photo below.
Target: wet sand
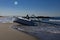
{"x": 43, "y": 32}
{"x": 7, "y": 33}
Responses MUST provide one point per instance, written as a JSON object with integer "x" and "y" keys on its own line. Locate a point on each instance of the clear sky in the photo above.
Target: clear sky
{"x": 24, "y": 7}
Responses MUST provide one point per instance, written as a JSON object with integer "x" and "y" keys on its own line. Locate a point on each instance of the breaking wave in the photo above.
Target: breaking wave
{"x": 6, "y": 20}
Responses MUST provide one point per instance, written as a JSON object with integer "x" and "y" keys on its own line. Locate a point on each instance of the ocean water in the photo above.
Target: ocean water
{"x": 49, "y": 30}
{"x": 45, "y": 30}
{"x": 7, "y": 19}
{"x": 11, "y": 19}
{"x": 42, "y": 32}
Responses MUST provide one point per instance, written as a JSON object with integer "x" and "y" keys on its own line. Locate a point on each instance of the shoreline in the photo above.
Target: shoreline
{"x": 7, "y": 34}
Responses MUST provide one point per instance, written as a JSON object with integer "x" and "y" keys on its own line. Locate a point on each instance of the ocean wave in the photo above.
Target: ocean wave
{"x": 6, "y": 20}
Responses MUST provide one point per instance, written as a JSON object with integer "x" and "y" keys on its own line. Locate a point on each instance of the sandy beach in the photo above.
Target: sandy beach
{"x": 7, "y": 33}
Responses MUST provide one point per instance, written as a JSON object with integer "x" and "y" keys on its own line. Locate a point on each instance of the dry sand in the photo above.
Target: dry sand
{"x": 7, "y": 33}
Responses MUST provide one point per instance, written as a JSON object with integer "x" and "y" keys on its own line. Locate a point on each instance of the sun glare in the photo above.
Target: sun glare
{"x": 16, "y": 2}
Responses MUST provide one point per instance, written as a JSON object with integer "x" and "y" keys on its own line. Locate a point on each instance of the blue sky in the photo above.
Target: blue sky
{"x": 24, "y": 7}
